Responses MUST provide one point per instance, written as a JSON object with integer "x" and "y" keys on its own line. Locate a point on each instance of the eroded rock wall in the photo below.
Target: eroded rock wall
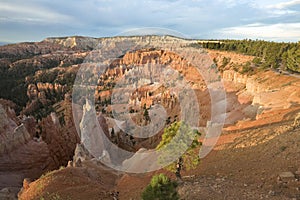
{"x": 29, "y": 149}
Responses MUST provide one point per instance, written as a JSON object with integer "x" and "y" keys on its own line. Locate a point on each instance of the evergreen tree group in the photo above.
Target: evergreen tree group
{"x": 268, "y": 54}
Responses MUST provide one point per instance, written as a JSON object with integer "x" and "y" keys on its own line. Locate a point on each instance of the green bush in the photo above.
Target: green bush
{"x": 246, "y": 68}
{"x": 184, "y": 139}
{"x": 160, "y": 188}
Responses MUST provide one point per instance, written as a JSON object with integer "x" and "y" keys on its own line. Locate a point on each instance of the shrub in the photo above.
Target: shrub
{"x": 182, "y": 135}
{"x": 246, "y": 68}
{"x": 160, "y": 188}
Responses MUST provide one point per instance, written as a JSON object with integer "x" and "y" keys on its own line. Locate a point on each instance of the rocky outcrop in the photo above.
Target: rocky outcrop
{"x": 235, "y": 77}
{"x": 15, "y": 145}
{"x": 49, "y": 143}
{"x": 12, "y": 135}
{"x": 39, "y": 90}
{"x": 59, "y": 132}
{"x": 153, "y": 62}
{"x": 266, "y": 87}
{"x": 54, "y": 88}
{"x": 80, "y": 154}
{"x": 61, "y": 142}
{"x": 250, "y": 83}
{"x": 88, "y": 43}
{"x": 41, "y": 95}
{"x": 78, "y": 42}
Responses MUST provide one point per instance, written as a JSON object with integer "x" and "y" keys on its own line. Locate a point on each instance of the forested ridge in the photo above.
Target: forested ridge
{"x": 268, "y": 54}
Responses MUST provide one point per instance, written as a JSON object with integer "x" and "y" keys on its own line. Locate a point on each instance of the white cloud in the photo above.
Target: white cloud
{"x": 31, "y": 13}
{"x": 284, "y": 12}
{"x": 276, "y": 8}
{"x": 284, "y": 5}
{"x": 197, "y": 18}
{"x": 279, "y": 32}
{"x": 231, "y": 3}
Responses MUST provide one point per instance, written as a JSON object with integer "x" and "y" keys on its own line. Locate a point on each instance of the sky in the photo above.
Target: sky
{"x": 34, "y": 20}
